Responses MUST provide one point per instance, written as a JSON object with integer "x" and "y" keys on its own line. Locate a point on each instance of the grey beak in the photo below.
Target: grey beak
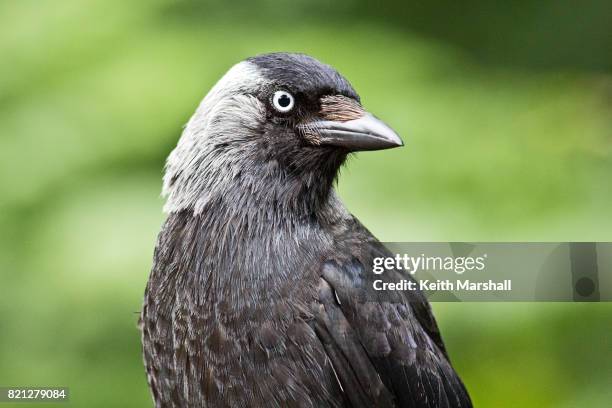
{"x": 364, "y": 133}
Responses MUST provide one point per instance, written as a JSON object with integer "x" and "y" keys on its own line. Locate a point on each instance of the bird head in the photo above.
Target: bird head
{"x": 275, "y": 126}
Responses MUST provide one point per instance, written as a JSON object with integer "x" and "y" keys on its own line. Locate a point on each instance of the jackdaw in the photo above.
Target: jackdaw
{"x": 260, "y": 291}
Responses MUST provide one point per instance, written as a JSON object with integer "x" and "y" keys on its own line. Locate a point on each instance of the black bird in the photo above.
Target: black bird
{"x": 260, "y": 293}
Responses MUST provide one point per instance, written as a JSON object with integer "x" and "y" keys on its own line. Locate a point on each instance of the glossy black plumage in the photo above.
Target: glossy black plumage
{"x": 261, "y": 297}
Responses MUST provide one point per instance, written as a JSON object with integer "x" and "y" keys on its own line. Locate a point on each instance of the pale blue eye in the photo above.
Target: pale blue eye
{"x": 283, "y": 101}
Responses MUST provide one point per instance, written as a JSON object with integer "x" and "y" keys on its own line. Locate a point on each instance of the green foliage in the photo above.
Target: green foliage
{"x": 93, "y": 96}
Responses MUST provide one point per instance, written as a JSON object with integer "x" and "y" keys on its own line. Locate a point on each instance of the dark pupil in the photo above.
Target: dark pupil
{"x": 284, "y": 101}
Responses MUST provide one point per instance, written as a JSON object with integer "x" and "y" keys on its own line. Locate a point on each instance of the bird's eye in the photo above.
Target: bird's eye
{"x": 283, "y": 101}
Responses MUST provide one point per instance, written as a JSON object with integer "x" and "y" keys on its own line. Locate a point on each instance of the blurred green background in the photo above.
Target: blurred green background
{"x": 505, "y": 109}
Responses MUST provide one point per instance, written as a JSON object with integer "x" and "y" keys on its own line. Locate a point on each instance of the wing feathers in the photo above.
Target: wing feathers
{"x": 385, "y": 345}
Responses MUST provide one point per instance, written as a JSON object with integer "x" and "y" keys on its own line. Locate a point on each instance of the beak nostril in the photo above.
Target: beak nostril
{"x": 340, "y": 108}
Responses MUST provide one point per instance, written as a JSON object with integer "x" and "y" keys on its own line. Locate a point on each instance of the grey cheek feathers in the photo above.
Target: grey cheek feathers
{"x": 197, "y": 168}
